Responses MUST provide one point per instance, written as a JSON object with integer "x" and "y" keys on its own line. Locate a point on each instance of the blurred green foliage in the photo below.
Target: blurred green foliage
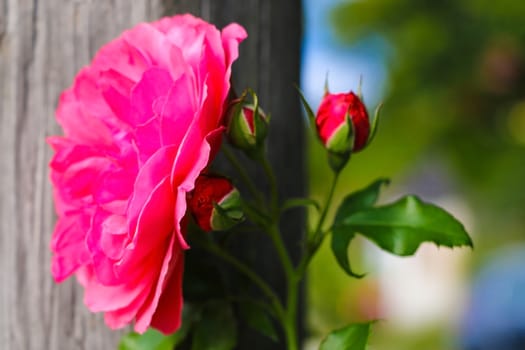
{"x": 457, "y": 80}
{"x": 455, "y": 94}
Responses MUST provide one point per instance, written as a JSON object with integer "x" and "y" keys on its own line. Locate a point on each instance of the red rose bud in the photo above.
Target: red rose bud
{"x": 247, "y": 125}
{"x": 343, "y": 126}
{"x": 332, "y": 125}
{"x": 215, "y": 203}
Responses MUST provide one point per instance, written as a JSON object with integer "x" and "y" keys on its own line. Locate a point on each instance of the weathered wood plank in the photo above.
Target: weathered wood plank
{"x": 42, "y": 45}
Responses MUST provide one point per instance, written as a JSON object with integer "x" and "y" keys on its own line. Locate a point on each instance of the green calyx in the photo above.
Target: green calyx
{"x": 247, "y": 125}
{"x": 227, "y": 213}
{"x": 340, "y": 145}
{"x": 373, "y": 123}
{"x": 337, "y": 161}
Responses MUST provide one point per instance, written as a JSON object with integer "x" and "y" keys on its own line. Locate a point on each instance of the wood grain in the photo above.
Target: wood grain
{"x": 43, "y": 43}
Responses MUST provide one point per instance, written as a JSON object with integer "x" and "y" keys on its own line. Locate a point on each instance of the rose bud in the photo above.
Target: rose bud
{"x": 247, "y": 125}
{"x": 215, "y": 203}
{"x": 343, "y": 126}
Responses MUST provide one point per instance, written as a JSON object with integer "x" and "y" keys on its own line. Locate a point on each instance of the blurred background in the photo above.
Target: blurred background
{"x": 451, "y": 74}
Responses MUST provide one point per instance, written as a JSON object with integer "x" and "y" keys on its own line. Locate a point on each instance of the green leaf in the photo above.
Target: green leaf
{"x": 257, "y": 318}
{"x": 309, "y": 112}
{"x": 359, "y": 200}
{"x": 300, "y": 202}
{"x": 150, "y": 340}
{"x": 402, "y": 226}
{"x": 216, "y": 330}
{"x": 351, "y": 337}
{"x": 190, "y": 314}
{"x": 340, "y": 242}
{"x": 341, "y": 237}
{"x": 155, "y": 340}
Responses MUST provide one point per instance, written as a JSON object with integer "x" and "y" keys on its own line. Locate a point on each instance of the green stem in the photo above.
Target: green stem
{"x": 290, "y": 327}
{"x": 278, "y": 242}
{"x": 290, "y": 331}
{"x": 318, "y": 229}
{"x": 317, "y": 238}
{"x": 289, "y": 319}
{"x": 243, "y": 174}
{"x": 286, "y": 315}
{"x": 244, "y": 269}
{"x": 274, "y": 195}
{"x": 300, "y": 203}
{"x": 253, "y": 213}
{"x": 263, "y": 305}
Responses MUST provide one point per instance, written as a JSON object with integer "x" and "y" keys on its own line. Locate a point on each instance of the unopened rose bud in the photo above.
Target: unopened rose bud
{"x": 215, "y": 203}
{"x": 343, "y": 126}
{"x": 247, "y": 125}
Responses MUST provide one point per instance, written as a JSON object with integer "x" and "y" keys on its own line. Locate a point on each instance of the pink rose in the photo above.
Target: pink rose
{"x": 140, "y": 124}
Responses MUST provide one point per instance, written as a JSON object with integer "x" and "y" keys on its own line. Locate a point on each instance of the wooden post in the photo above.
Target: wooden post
{"x": 42, "y": 46}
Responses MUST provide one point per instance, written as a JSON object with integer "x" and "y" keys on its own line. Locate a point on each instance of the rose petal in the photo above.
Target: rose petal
{"x": 68, "y": 245}
{"x": 140, "y": 123}
{"x": 155, "y": 83}
{"x": 167, "y": 317}
{"x": 148, "y": 178}
{"x": 186, "y": 169}
{"x": 154, "y": 226}
{"x": 145, "y": 314}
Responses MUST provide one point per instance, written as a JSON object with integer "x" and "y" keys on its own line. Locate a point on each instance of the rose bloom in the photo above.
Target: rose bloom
{"x": 140, "y": 124}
